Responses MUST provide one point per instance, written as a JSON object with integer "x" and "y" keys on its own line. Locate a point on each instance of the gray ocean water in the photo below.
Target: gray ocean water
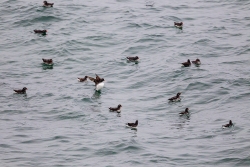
{"x": 62, "y": 122}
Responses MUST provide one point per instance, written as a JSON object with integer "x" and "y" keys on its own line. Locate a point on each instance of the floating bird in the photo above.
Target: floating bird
{"x": 99, "y": 82}
{"x": 184, "y": 112}
{"x": 175, "y": 98}
{"x": 21, "y": 91}
{"x": 82, "y": 79}
{"x": 46, "y": 4}
{"x": 40, "y": 31}
{"x": 178, "y": 25}
{"x": 132, "y": 125}
{"x": 196, "y": 62}
{"x": 48, "y": 61}
{"x": 228, "y": 125}
{"x": 117, "y": 109}
{"x": 136, "y": 58}
{"x": 186, "y": 64}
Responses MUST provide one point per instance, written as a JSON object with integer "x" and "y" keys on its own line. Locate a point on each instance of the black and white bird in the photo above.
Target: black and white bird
{"x": 99, "y": 82}
{"x": 175, "y": 98}
{"x": 43, "y": 32}
{"x": 178, "y": 25}
{"x": 196, "y": 62}
{"x": 230, "y": 124}
{"x": 116, "y": 109}
{"x": 48, "y": 61}
{"x": 132, "y": 125}
{"x": 83, "y": 79}
{"x": 186, "y": 64}
{"x": 136, "y": 58}
{"x": 184, "y": 112}
{"x": 46, "y": 4}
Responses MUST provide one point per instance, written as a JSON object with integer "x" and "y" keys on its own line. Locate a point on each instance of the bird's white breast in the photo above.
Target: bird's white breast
{"x": 99, "y": 86}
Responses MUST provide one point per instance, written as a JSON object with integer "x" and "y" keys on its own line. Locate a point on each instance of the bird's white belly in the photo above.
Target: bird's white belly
{"x": 99, "y": 86}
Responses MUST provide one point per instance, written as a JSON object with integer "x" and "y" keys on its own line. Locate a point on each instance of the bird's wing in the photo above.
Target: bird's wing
{"x": 97, "y": 77}
{"x": 91, "y": 79}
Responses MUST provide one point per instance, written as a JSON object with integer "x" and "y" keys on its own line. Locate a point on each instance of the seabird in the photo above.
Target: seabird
{"x": 83, "y": 79}
{"x": 175, "y": 98}
{"x": 117, "y": 109}
{"x": 132, "y": 125}
{"x": 48, "y": 61}
{"x": 21, "y": 91}
{"x": 184, "y": 112}
{"x": 46, "y": 4}
{"x": 228, "y": 125}
{"x": 41, "y": 32}
{"x": 136, "y": 58}
{"x": 178, "y": 25}
{"x": 186, "y": 64}
{"x": 99, "y": 82}
{"x": 196, "y": 62}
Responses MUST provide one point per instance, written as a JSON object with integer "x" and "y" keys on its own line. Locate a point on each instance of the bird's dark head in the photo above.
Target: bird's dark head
{"x": 186, "y": 110}
{"x": 45, "y": 2}
{"x": 102, "y": 80}
{"x": 230, "y": 122}
{"x": 86, "y": 77}
{"x": 137, "y": 57}
{"x": 178, "y": 94}
{"x": 197, "y": 59}
{"x": 24, "y": 88}
{"x": 136, "y": 122}
{"x": 189, "y": 61}
{"x": 119, "y": 105}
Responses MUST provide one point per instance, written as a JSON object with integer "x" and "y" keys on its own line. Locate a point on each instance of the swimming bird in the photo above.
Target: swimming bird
{"x": 48, "y": 61}
{"x": 175, "y": 98}
{"x": 184, "y": 112}
{"x": 40, "y": 31}
{"x": 186, "y": 64}
{"x": 21, "y": 91}
{"x": 117, "y": 109}
{"x": 196, "y": 62}
{"x": 136, "y": 58}
{"x": 99, "y": 82}
{"x": 228, "y": 125}
{"x": 178, "y": 25}
{"x": 83, "y": 79}
{"x": 46, "y": 4}
{"x": 132, "y": 125}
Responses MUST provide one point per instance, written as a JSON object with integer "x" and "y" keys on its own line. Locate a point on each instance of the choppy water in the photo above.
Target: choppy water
{"x": 62, "y": 122}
